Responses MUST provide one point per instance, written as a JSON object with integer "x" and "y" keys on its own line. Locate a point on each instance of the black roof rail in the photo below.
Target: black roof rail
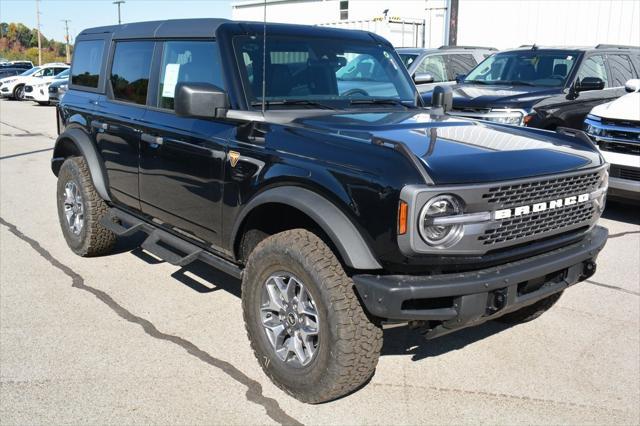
{"x": 466, "y": 47}
{"x": 615, "y": 46}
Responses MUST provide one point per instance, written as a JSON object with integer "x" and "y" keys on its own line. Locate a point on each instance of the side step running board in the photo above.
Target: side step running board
{"x": 163, "y": 244}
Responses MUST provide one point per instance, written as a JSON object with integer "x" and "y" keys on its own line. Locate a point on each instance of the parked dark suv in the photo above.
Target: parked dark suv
{"x": 545, "y": 87}
{"x": 339, "y": 209}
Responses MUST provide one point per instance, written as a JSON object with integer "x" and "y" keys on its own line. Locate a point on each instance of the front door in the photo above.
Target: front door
{"x": 182, "y": 158}
{"x": 593, "y": 66}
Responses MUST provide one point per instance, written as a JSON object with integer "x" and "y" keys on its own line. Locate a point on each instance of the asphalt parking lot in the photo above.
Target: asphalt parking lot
{"x": 126, "y": 339}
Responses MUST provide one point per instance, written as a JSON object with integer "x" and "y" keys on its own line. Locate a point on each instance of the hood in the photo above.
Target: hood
{"x": 459, "y": 151}
{"x": 497, "y": 96}
{"x": 626, "y": 107}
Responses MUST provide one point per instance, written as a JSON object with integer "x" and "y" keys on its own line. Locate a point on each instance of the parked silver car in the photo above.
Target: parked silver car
{"x": 432, "y": 67}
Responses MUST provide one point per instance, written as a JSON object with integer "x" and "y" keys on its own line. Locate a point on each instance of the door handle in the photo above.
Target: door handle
{"x": 151, "y": 140}
{"x": 99, "y": 125}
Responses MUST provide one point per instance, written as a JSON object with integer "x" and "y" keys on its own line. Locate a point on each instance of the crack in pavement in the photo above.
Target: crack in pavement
{"x": 500, "y": 396}
{"x": 26, "y": 131}
{"x": 613, "y": 287}
{"x": 254, "y": 389}
{"x": 26, "y": 153}
{"x": 622, "y": 234}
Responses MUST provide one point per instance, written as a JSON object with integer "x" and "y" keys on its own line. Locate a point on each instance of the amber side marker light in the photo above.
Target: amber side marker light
{"x": 402, "y": 218}
{"x": 527, "y": 119}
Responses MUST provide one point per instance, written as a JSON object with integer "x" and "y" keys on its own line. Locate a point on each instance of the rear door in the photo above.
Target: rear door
{"x": 459, "y": 64}
{"x": 182, "y": 158}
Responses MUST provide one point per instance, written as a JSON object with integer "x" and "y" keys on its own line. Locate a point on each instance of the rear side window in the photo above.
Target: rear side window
{"x": 190, "y": 62}
{"x": 621, "y": 69}
{"x": 594, "y": 67}
{"x": 130, "y": 71}
{"x": 460, "y": 64}
{"x": 85, "y": 70}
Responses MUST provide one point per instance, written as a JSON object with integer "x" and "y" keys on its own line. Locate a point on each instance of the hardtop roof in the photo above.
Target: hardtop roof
{"x": 207, "y": 27}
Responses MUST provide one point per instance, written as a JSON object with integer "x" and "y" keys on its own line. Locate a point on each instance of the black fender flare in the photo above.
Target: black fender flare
{"x": 352, "y": 247}
{"x": 88, "y": 150}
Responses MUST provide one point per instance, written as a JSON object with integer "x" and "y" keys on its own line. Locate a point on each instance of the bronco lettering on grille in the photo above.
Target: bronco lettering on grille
{"x": 540, "y": 207}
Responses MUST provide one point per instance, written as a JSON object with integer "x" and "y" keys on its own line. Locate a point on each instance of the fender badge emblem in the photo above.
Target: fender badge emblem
{"x": 234, "y": 157}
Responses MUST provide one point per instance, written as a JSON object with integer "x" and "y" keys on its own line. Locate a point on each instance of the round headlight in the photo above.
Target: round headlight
{"x": 440, "y": 235}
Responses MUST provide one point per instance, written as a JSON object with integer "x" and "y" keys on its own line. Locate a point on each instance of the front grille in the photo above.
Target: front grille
{"x": 524, "y": 193}
{"x": 538, "y": 223}
{"x": 622, "y": 148}
{"x": 53, "y": 89}
{"x": 623, "y": 172}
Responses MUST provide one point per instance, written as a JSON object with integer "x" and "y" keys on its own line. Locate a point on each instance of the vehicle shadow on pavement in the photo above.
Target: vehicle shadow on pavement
{"x": 629, "y": 213}
{"x": 402, "y": 340}
{"x": 197, "y": 276}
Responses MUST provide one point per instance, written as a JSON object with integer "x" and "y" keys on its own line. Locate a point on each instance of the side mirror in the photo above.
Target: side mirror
{"x": 632, "y": 85}
{"x": 201, "y": 100}
{"x": 442, "y": 98}
{"x": 460, "y": 77}
{"x": 589, "y": 83}
{"x": 423, "y": 78}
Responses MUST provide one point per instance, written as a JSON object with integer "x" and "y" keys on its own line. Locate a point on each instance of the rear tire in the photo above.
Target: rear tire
{"x": 531, "y": 312}
{"x": 347, "y": 343}
{"x": 80, "y": 210}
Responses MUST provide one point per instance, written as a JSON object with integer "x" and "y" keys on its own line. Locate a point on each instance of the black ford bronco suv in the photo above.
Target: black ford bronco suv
{"x": 341, "y": 202}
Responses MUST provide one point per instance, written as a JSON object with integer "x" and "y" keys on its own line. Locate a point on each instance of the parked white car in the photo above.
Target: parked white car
{"x": 615, "y": 127}
{"x": 13, "y": 87}
{"x": 39, "y": 90}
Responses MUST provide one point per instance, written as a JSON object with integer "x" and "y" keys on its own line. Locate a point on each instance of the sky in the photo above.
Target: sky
{"x": 93, "y": 13}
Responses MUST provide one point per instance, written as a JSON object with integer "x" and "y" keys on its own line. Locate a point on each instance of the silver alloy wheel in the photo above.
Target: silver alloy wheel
{"x": 290, "y": 319}
{"x": 20, "y": 93}
{"x": 73, "y": 207}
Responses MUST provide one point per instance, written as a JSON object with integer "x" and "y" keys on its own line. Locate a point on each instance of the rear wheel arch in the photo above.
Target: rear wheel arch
{"x": 75, "y": 142}
{"x": 290, "y": 207}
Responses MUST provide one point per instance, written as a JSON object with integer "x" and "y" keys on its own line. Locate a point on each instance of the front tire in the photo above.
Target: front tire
{"x": 80, "y": 210}
{"x": 294, "y": 278}
{"x": 44, "y": 103}
{"x": 18, "y": 92}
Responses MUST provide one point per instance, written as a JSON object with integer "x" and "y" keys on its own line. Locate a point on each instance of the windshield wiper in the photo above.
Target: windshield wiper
{"x": 478, "y": 81}
{"x": 517, "y": 83}
{"x": 379, "y": 102}
{"x": 302, "y": 102}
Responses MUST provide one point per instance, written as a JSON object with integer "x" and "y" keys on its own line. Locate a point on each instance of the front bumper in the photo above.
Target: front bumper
{"x": 470, "y": 298}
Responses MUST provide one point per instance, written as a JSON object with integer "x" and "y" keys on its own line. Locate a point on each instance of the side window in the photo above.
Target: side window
{"x": 87, "y": 59}
{"x": 58, "y": 70}
{"x": 188, "y": 61}
{"x": 621, "y": 69}
{"x": 594, "y": 67}
{"x": 434, "y": 65}
{"x": 48, "y": 72}
{"x": 130, "y": 71}
{"x": 459, "y": 64}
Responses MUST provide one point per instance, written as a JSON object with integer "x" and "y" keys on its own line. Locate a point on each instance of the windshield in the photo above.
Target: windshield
{"x": 529, "y": 68}
{"x": 31, "y": 71}
{"x": 322, "y": 73}
{"x": 407, "y": 59}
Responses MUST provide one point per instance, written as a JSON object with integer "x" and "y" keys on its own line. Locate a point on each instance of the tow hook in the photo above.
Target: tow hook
{"x": 496, "y": 301}
{"x": 589, "y": 269}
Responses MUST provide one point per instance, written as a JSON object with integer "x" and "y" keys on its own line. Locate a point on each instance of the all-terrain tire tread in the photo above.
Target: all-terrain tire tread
{"x": 98, "y": 240}
{"x": 359, "y": 339}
